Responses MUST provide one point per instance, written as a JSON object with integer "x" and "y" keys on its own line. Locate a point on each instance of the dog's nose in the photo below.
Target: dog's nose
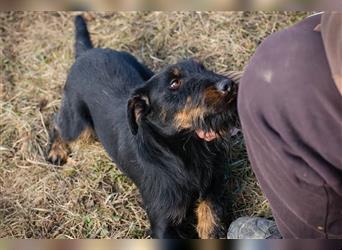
{"x": 224, "y": 85}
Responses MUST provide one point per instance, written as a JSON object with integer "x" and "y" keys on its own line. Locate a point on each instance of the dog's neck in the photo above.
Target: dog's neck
{"x": 183, "y": 157}
{"x": 180, "y": 167}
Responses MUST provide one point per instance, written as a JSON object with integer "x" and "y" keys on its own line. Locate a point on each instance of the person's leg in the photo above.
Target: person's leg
{"x": 291, "y": 117}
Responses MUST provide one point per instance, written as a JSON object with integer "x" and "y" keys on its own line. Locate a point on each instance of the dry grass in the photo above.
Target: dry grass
{"x": 89, "y": 197}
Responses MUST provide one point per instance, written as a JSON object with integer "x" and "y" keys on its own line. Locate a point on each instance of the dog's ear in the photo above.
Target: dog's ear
{"x": 138, "y": 106}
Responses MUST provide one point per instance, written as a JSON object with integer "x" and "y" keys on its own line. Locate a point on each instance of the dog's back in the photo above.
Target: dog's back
{"x": 96, "y": 92}
{"x": 109, "y": 63}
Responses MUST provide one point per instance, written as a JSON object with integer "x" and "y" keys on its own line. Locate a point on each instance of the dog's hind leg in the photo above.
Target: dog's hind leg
{"x": 72, "y": 122}
{"x": 58, "y": 149}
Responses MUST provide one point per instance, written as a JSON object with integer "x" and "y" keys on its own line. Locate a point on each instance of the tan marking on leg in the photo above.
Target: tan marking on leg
{"x": 87, "y": 135}
{"x": 205, "y": 220}
{"x": 59, "y": 151}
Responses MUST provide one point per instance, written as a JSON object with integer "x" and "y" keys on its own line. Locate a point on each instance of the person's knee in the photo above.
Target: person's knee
{"x": 287, "y": 76}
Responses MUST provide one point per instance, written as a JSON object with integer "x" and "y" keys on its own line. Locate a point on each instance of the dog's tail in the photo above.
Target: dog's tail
{"x": 83, "y": 42}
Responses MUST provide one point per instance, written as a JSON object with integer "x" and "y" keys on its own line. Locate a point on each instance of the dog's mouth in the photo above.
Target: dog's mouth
{"x": 207, "y": 136}
{"x": 220, "y": 119}
{"x": 217, "y": 125}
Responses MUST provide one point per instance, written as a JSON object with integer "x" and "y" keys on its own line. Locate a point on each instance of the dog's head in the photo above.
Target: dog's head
{"x": 185, "y": 97}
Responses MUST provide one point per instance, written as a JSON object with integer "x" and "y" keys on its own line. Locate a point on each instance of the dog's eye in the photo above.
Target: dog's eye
{"x": 175, "y": 84}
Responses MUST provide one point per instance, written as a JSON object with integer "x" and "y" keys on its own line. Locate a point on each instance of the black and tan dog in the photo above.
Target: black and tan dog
{"x": 166, "y": 131}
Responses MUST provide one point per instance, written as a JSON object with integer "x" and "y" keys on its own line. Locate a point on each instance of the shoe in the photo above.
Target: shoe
{"x": 253, "y": 228}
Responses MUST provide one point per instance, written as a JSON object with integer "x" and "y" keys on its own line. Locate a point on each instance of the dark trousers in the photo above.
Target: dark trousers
{"x": 291, "y": 115}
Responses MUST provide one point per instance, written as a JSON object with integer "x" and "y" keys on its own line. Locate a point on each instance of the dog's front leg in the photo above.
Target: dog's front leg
{"x": 211, "y": 218}
{"x": 161, "y": 228}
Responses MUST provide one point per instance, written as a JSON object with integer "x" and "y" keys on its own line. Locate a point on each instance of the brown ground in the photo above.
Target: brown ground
{"x": 89, "y": 197}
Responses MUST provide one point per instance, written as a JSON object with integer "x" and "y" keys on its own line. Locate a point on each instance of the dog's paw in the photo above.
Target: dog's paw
{"x": 58, "y": 153}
